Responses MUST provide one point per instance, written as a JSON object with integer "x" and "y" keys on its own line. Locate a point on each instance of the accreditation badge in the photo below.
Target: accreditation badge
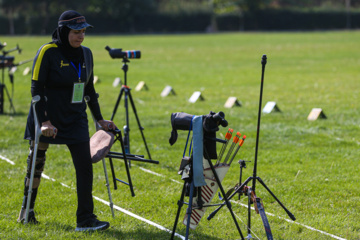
{"x": 78, "y": 93}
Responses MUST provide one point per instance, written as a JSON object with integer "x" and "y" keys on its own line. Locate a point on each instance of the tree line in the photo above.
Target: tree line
{"x": 40, "y": 16}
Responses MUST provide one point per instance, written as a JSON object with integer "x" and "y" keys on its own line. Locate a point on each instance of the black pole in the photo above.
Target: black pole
{"x": 263, "y": 63}
{"x": 125, "y": 68}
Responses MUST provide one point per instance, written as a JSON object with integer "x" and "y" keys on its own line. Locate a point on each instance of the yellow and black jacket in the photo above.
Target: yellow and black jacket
{"x": 53, "y": 78}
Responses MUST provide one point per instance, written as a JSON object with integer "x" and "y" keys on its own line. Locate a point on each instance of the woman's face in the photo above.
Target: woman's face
{"x": 76, "y": 37}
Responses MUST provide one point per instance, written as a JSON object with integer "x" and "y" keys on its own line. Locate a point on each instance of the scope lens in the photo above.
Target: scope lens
{"x": 133, "y": 54}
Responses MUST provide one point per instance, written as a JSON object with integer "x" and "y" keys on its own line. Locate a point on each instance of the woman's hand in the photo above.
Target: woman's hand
{"x": 107, "y": 125}
{"x": 48, "y": 130}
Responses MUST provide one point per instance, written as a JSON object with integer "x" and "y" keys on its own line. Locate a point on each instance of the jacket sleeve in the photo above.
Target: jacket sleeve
{"x": 89, "y": 89}
{"x": 39, "y": 75}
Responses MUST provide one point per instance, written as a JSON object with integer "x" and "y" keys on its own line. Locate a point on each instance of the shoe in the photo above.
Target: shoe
{"x": 31, "y": 217}
{"x": 92, "y": 225}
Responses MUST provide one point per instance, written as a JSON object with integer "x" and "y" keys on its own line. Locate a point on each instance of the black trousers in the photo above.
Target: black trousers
{"x": 84, "y": 180}
{"x": 81, "y": 157}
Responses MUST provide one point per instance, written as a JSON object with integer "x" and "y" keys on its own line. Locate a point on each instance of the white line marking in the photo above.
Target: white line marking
{"x": 8, "y": 160}
{"x": 176, "y": 181}
{"x": 138, "y": 217}
{"x": 158, "y": 174}
{"x": 115, "y": 206}
{"x": 149, "y": 171}
{"x": 49, "y": 178}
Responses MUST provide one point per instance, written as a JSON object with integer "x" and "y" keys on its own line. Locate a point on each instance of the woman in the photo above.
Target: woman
{"x": 62, "y": 76}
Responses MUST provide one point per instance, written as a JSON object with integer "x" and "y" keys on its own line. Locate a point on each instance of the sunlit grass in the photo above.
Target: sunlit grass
{"x": 312, "y": 166}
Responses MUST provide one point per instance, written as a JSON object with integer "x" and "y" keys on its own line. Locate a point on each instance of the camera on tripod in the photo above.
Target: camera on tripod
{"x": 118, "y": 53}
{"x": 8, "y": 62}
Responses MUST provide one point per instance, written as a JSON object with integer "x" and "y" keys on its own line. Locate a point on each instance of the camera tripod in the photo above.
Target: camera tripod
{"x": 250, "y": 191}
{"x": 127, "y": 96}
{"x": 6, "y": 61}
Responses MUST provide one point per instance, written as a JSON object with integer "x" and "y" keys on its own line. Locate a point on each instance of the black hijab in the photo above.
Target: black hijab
{"x": 61, "y": 37}
{"x": 69, "y": 20}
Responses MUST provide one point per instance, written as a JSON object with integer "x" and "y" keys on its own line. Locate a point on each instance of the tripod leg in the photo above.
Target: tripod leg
{"x": 180, "y": 204}
{"x": 117, "y": 103}
{"x": 10, "y": 99}
{"x": 240, "y": 179}
{"x": 138, "y": 122}
{"x": 108, "y": 188}
{"x": 127, "y": 126}
{"x": 189, "y": 210}
{"x": 272, "y": 194}
{"x": 126, "y": 166}
{"x": 113, "y": 173}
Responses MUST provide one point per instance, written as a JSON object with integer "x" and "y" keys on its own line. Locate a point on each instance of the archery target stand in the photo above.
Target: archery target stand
{"x": 271, "y": 107}
{"x": 141, "y": 85}
{"x": 96, "y": 79}
{"x": 196, "y": 95}
{"x": 232, "y": 101}
{"x": 315, "y": 114}
{"x": 26, "y": 71}
{"x": 167, "y": 90}
{"x": 117, "y": 82}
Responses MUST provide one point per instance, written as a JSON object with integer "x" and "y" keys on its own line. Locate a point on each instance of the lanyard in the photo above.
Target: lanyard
{"x": 78, "y": 72}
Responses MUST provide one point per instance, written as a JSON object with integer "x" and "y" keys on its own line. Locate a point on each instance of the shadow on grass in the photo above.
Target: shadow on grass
{"x": 156, "y": 234}
{"x": 137, "y": 233}
{"x": 17, "y": 114}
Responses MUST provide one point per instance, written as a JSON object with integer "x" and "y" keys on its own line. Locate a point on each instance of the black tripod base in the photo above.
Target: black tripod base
{"x": 241, "y": 187}
{"x": 190, "y": 208}
{"x": 240, "y": 190}
{"x": 2, "y": 89}
{"x": 127, "y": 97}
{"x": 292, "y": 217}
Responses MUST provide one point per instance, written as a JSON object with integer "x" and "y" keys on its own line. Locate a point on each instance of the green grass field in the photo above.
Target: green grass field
{"x": 311, "y": 166}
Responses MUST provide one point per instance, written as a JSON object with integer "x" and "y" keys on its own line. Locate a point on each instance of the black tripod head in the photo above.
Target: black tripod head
{"x": 125, "y": 56}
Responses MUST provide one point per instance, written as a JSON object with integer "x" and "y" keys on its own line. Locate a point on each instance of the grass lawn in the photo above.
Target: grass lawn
{"x": 311, "y": 166}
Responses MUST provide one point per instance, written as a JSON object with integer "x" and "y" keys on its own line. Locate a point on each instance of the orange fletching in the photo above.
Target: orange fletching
{"x": 242, "y": 141}
{"x": 227, "y": 136}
